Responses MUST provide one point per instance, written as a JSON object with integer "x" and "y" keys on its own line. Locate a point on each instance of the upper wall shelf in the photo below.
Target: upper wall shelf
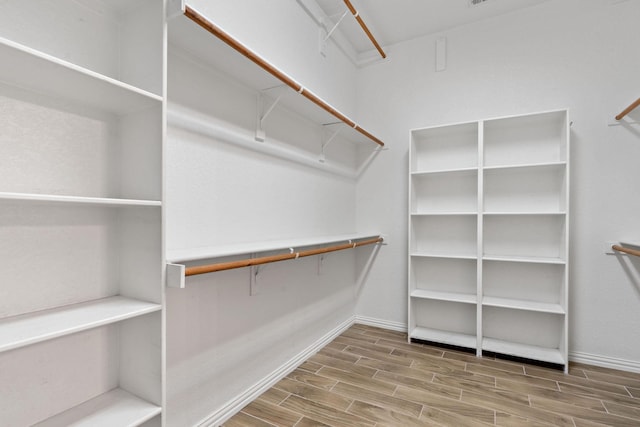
{"x": 69, "y": 81}
{"x": 194, "y": 33}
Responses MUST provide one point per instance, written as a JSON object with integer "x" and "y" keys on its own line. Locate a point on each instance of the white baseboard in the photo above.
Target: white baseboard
{"x": 605, "y": 361}
{"x": 380, "y": 323}
{"x": 239, "y": 402}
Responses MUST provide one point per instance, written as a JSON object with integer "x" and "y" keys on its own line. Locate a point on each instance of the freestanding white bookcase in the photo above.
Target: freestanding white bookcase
{"x": 81, "y": 88}
{"x": 488, "y": 236}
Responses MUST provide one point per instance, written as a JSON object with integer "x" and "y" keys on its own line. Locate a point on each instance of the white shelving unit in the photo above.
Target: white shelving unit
{"x": 488, "y": 233}
{"x": 81, "y": 301}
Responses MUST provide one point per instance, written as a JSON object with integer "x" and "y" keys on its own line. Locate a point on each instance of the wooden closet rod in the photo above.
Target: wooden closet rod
{"x": 625, "y": 250}
{"x": 355, "y": 13}
{"x": 192, "y": 271}
{"x": 628, "y": 109}
{"x": 218, "y": 32}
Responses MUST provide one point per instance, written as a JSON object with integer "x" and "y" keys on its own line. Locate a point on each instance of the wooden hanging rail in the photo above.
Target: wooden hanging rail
{"x": 619, "y": 248}
{"x": 356, "y": 15}
{"x": 211, "y": 268}
{"x": 628, "y": 109}
{"x": 235, "y": 44}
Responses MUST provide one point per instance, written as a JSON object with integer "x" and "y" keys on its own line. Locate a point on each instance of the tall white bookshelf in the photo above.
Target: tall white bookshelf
{"x": 488, "y": 236}
{"x": 81, "y": 299}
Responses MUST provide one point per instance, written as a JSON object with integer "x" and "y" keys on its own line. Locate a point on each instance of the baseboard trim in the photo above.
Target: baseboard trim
{"x": 380, "y": 323}
{"x": 233, "y": 406}
{"x": 605, "y": 361}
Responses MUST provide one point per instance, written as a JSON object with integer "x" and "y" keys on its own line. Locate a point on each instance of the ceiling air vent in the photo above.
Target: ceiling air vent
{"x": 476, "y": 2}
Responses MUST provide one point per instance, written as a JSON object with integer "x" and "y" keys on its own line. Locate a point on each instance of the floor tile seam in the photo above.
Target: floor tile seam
{"x": 358, "y": 385}
{"x": 629, "y": 392}
{"x": 521, "y": 378}
{"x": 259, "y": 419}
{"x": 586, "y": 410}
{"x": 530, "y": 394}
{"x": 288, "y": 393}
{"x": 491, "y": 406}
{"x": 592, "y": 390}
{"x": 623, "y": 376}
{"x": 579, "y": 380}
{"x": 623, "y": 416}
{"x": 333, "y": 411}
{"x": 495, "y": 412}
{"x": 597, "y": 382}
{"x": 482, "y": 365}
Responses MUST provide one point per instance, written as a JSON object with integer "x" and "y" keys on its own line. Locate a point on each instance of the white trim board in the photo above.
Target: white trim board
{"x": 605, "y": 361}
{"x": 380, "y": 323}
{"x": 232, "y": 407}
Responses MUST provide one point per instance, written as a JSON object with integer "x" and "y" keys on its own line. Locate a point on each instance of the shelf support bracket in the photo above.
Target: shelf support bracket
{"x": 321, "y": 263}
{"x": 346, "y": 12}
{"x": 325, "y": 34}
{"x": 262, "y": 115}
{"x": 254, "y": 270}
{"x": 329, "y": 140}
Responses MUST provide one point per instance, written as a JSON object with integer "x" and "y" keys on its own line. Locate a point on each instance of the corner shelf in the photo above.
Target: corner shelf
{"x": 114, "y": 408}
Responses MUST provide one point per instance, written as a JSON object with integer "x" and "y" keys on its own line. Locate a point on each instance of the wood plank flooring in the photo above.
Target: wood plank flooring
{"x": 373, "y": 377}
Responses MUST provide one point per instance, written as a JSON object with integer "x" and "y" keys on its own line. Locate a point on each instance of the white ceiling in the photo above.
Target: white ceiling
{"x": 393, "y": 21}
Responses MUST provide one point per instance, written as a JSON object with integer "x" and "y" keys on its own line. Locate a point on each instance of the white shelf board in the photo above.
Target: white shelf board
{"x": 25, "y": 67}
{"x": 114, "y": 408}
{"x": 441, "y": 255}
{"x": 178, "y": 256}
{"x": 444, "y": 171}
{"x": 444, "y": 296}
{"x": 551, "y": 355}
{"x": 19, "y": 331}
{"x": 76, "y": 200}
{"x": 188, "y": 36}
{"x": 533, "y": 260}
{"x": 525, "y": 165}
{"x": 445, "y": 213}
{"x": 511, "y": 213}
{"x": 517, "y": 304}
{"x": 444, "y": 337}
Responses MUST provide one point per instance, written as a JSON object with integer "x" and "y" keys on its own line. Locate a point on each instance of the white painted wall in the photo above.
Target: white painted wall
{"x": 221, "y": 340}
{"x": 580, "y": 54}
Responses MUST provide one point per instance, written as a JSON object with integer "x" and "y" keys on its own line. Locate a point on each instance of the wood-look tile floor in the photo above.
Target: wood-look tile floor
{"x": 374, "y": 377}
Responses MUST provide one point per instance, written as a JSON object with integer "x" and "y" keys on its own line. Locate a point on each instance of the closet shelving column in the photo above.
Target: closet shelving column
{"x": 80, "y": 212}
{"x": 488, "y": 233}
{"x": 525, "y": 237}
{"x": 443, "y": 218}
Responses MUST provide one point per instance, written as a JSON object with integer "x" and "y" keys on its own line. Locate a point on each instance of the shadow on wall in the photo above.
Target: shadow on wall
{"x": 631, "y": 266}
{"x": 365, "y": 259}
